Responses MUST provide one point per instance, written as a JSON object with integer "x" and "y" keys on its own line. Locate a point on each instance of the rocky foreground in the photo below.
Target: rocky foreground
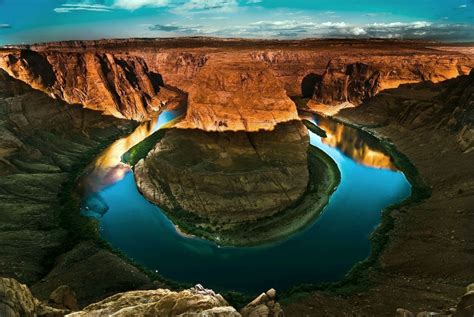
{"x": 16, "y": 300}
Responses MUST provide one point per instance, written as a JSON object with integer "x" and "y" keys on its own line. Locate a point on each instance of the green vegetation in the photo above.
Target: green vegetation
{"x": 139, "y": 151}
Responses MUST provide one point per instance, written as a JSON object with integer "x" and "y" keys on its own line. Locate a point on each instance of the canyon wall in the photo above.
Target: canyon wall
{"x": 136, "y": 78}
{"x": 43, "y": 142}
{"x": 114, "y": 84}
{"x": 243, "y": 95}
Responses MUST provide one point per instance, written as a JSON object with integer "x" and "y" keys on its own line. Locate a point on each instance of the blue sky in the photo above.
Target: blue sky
{"x": 29, "y": 21}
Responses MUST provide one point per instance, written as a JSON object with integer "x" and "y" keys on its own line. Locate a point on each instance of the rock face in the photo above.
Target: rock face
{"x": 447, "y": 105}
{"x": 125, "y": 77}
{"x": 16, "y": 300}
{"x": 240, "y": 95}
{"x": 115, "y": 84}
{"x": 231, "y": 177}
{"x": 195, "y": 302}
{"x": 352, "y": 83}
{"x": 346, "y": 81}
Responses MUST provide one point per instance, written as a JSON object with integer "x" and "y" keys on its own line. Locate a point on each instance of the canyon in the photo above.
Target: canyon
{"x": 61, "y": 103}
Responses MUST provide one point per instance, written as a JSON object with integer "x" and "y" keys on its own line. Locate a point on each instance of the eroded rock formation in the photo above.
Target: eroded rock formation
{"x": 227, "y": 177}
{"x": 122, "y": 77}
{"x": 352, "y": 83}
{"x": 346, "y": 81}
{"x": 196, "y": 301}
{"x": 115, "y": 84}
{"x": 237, "y": 95}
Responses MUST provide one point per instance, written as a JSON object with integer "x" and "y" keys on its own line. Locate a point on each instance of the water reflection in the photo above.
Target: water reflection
{"x": 107, "y": 169}
{"x": 358, "y": 145}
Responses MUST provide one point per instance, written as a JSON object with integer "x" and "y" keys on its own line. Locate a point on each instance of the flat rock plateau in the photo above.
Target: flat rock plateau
{"x": 61, "y": 103}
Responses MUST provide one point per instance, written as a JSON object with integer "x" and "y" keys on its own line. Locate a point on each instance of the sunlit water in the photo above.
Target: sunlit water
{"x": 325, "y": 251}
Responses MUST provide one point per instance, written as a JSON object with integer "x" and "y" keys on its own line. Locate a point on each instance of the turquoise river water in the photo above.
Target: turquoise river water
{"x": 323, "y": 251}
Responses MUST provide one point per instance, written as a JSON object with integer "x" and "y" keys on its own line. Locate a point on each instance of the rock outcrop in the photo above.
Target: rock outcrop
{"x": 230, "y": 177}
{"x": 194, "y": 302}
{"x": 241, "y": 95}
{"x": 115, "y": 84}
{"x": 264, "y": 305}
{"x": 352, "y": 83}
{"x": 16, "y": 300}
{"x": 346, "y": 81}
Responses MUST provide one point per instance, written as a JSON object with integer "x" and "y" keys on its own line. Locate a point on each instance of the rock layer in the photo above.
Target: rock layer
{"x": 241, "y": 95}
{"x": 346, "y": 81}
{"x": 196, "y": 301}
{"x": 126, "y": 81}
{"x": 115, "y": 84}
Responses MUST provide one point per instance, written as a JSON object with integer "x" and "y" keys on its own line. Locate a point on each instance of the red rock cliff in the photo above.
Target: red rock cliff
{"x": 116, "y": 84}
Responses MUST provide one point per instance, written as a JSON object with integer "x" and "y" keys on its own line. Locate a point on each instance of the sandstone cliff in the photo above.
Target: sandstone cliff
{"x": 346, "y": 81}
{"x": 118, "y": 84}
{"x": 126, "y": 77}
{"x": 238, "y": 95}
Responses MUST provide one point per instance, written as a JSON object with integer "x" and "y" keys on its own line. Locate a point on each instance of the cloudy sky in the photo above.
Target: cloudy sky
{"x": 29, "y": 21}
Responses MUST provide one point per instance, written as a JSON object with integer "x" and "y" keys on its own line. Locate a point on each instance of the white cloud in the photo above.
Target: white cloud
{"x": 358, "y": 31}
{"x": 137, "y": 4}
{"x": 71, "y": 7}
{"x": 203, "y": 6}
{"x": 462, "y": 6}
{"x": 329, "y": 29}
{"x": 5, "y": 26}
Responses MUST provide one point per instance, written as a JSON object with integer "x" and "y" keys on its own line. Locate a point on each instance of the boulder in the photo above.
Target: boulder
{"x": 263, "y": 305}
{"x": 64, "y": 297}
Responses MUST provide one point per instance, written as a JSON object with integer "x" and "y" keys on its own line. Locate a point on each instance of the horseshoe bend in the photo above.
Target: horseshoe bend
{"x": 335, "y": 176}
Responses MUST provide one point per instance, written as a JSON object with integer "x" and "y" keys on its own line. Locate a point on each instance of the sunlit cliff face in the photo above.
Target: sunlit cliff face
{"x": 355, "y": 144}
{"x": 108, "y": 168}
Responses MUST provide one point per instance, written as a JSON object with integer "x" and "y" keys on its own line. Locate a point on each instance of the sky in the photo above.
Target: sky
{"x": 33, "y": 21}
